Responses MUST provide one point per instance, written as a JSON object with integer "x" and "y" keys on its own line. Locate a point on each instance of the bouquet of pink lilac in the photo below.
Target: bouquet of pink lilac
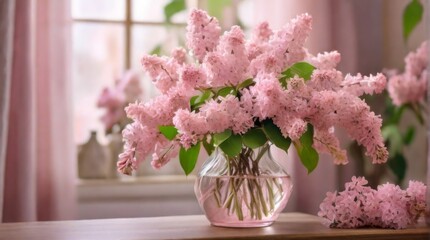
{"x": 249, "y": 92}
{"x": 126, "y": 90}
{"x": 240, "y": 97}
{"x": 361, "y": 206}
{"x": 410, "y": 87}
{"x": 406, "y": 91}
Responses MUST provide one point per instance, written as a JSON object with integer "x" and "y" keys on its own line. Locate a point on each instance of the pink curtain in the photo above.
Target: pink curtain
{"x": 38, "y": 167}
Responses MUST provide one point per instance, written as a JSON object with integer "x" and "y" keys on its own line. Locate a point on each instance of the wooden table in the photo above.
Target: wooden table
{"x": 288, "y": 226}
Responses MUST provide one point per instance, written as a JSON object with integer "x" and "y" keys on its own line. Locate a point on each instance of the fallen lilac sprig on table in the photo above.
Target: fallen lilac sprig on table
{"x": 386, "y": 207}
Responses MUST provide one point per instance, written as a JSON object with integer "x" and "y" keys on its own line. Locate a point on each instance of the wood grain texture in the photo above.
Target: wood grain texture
{"x": 288, "y": 226}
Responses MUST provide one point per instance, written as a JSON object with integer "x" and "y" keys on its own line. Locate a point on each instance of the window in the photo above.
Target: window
{"x": 110, "y": 36}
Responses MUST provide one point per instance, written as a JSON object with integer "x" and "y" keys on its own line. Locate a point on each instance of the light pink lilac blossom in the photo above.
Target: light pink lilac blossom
{"x": 180, "y": 55}
{"x": 258, "y": 42}
{"x": 411, "y": 86}
{"x": 285, "y": 47}
{"x": 326, "y": 60}
{"x": 203, "y": 32}
{"x": 126, "y": 90}
{"x": 360, "y": 206}
{"x": 162, "y": 70}
{"x": 327, "y": 100}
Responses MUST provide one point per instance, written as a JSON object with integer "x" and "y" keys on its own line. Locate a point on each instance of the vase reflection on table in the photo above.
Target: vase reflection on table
{"x": 249, "y": 190}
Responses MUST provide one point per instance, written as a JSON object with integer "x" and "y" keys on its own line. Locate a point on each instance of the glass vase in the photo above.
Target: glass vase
{"x": 249, "y": 190}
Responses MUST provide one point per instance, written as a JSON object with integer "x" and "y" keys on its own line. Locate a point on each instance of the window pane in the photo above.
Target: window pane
{"x": 153, "y": 11}
{"x": 99, "y": 9}
{"x": 245, "y": 11}
{"x": 98, "y": 57}
{"x": 144, "y": 40}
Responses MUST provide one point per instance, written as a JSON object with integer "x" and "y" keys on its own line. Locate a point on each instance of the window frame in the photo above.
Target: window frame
{"x": 128, "y": 24}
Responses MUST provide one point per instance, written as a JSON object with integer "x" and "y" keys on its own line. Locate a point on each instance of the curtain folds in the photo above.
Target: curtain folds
{"x": 7, "y": 10}
{"x": 39, "y": 163}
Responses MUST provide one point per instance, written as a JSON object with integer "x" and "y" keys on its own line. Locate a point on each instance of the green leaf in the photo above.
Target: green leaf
{"x": 274, "y": 134}
{"x": 301, "y": 69}
{"x": 307, "y": 138}
{"x": 232, "y": 146}
{"x": 221, "y": 137}
{"x": 392, "y": 113}
{"x": 156, "y": 50}
{"x": 216, "y": 7}
{"x": 283, "y": 81}
{"x": 193, "y": 100}
{"x": 409, "y": 135}
{"x": 246, "y": 83}
{"x": 308, "y": 155}
{"x": 173, "y": 7}
{"x": 188, "y": 158}
{"x": 399, "y": 166}
{"x": 412, "y": 15}
{"x": 197, "y": 101}
{"x": 169, "y": 132}
{"x": 254, "y": 138}
{"x": 226, "y": 91}
{"x": 392, "y": 134}
{"x": 209, "y": 146}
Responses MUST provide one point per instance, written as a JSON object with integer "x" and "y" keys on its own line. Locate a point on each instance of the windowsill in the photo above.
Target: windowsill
{"x": 137, "y": 180}
{"x": 137, "y": 197}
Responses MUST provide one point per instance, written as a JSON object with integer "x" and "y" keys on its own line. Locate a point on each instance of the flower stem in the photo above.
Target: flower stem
{"x": 245, "y": 189}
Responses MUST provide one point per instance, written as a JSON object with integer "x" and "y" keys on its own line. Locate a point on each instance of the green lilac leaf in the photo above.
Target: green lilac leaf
{"x": 301, "y": 69}
{"x": 173, "y": 7}
{"x": 399, "y": 166}
{"x": 309, "y": 158}
{"x": 274, "y": 134}
{"x": 209, "y": 146}
{"x": 221, "y": 137}
{"x": 169, "y": 132}
{"x": 156, "y": 50}
{"x": 197, "y": 101}
{"x": 392, "y": 135}
{"x": 193, "y": 100}
{"x": 308, "y": 155}
{"x": 307, "y": 139}
{"x": 392, "y": 113}
{"x": 412, "y": 16}
{"x": 246, "y": 83}
{"x": 409, "y": 135}
{"x": 188, "y": 158}
{"x": 205, "y": 96}
{"x": 216, "y": 7}
{"x": 226, "y": 91}
{"x": 254, "y": 138}
{"x": 232, "y": 146}
{"x": 283, "y": 81}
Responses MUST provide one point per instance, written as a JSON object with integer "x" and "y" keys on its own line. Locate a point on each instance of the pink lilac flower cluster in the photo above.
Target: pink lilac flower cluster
{"x": 411, "y": 85}
{"x": 126, "y": 90}
{"x": 327, "y": 100}
{"x": 386, "y": 207}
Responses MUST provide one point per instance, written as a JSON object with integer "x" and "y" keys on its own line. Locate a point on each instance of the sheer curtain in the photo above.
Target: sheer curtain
{"x": 37, "y": 155}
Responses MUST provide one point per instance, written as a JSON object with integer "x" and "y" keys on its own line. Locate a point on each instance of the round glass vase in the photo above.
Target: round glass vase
{"x": 249, "y": 190}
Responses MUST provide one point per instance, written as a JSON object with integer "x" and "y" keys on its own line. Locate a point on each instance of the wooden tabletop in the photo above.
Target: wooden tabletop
{"x": 288, "y": 226}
